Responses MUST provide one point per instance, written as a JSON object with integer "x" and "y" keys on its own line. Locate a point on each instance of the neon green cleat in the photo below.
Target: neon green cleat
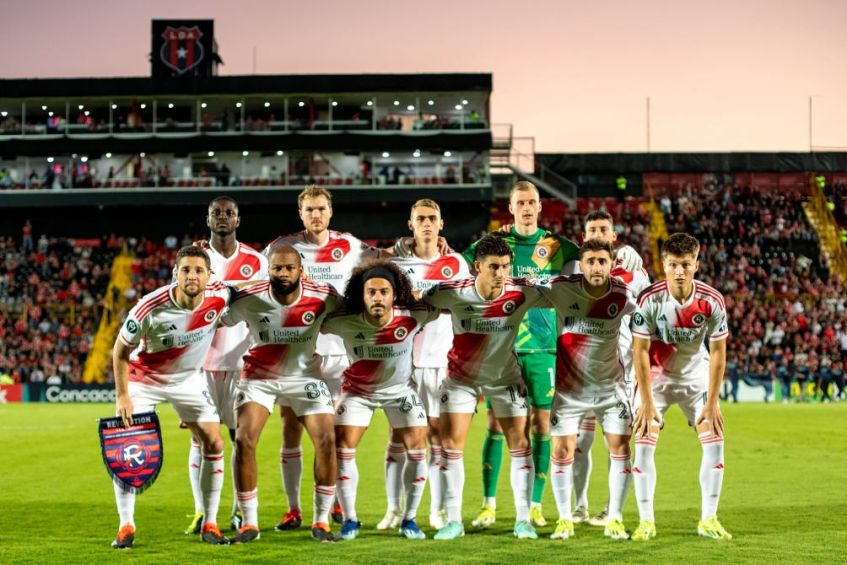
{"x": 646, "y": 530}
{"x": 711, "y": 528}
{"x": 196, "y": 523}
{"x": 536, "y": 516}
{"x": 564, "y": 530}
{"x": 485, "y": 518}
{"x": 525, "y": 530}
{"x": 453, "y": 530}
{"x": 615, "y": 530}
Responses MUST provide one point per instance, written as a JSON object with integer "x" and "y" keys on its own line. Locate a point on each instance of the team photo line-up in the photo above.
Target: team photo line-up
{"x": 556, "y": 337}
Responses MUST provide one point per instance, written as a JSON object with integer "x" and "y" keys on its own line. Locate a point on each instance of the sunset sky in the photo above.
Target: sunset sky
{"x": 721, "y": 75}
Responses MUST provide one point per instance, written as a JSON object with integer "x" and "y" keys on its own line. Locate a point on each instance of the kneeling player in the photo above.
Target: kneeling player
{"x": 590, "y": 378}
{"x": 284, "y": 316}
{"x": 158, "y": 357}
{"x": 678, "y": 314}
{"x": 378, "y": 330}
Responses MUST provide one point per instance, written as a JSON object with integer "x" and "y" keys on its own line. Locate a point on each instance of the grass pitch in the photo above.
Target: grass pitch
{"x": 783, "y": 498}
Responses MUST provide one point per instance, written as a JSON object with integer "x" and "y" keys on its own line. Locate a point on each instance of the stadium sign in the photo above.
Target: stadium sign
{"x": 65, "y": 394}
{"x": 132, "y": 455}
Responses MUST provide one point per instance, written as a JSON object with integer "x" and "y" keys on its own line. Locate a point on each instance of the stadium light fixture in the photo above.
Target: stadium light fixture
{"x": 114, "y": 106}
{"x": 87, "y": 113}
{"x": 417, "y": 153}
{"x": 49, "y": 159}
{"x": 448, "y": 154}
{"x": 4, "y": 113}
{"x": 245, "y": 153}
{"x": 464, "y": 102}
{"x": 84, "y": 158}
{"x": 211, "y": 153}
{"x": 267, "y": 104}
{"x": 143, "y": 154}
{"x": 301, "y": 104}
{"x": 108, "y": 155}
{"x": 334, "y": 103}
{"x": 370, "y": 102}
{"x": 44, "y": 107}
{"x": 238, "y": 104}
{"x": 73, "y": 155}
{"x": 170, "y": 105}
{"x": 280, "y": 153}
{"x": 396, "y": 102}
{"x": 386, "y": 154}
{"x": 203, "y": 105}
{"x": 50, "y": 114}
{"x": 81, "y": 106}
{"x": 430, "y": 102}
{"x": 143, "y": 106}
{"x": 458, "y": 106}
{"x": 410, "y": 108}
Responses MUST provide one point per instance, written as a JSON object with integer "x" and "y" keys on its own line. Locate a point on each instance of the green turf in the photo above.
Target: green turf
{"x": 783, "y": 498}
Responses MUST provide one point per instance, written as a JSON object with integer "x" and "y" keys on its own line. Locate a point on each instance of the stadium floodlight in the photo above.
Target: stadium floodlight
{"x": 396, "y": 102}
{"x": 114, "y": 106}
{"x": 44, "y": 108}
{"x": 267, "y": 104}
{"x": 238, "y": 104}
{"x": 87, "y": 113}
{"x": 84, "y": 158}
{"x": 4, "y": 113}
{"x": 170, "y": 105}
{"x": 49, "y": 159}
{"x": 108, "y": 155}
{"x": 211, "y": 153}
{"x": 245, "y": 153}
{"x": 417, "y": 153}
{"x": 143, "y": 154}
{"x": 280, "y": 153}
{"x": 370, "y": 102}
{"x": 464, "y": 102}
{"x": 334, "y": 103}
{"x": 301, "y": 103}
{"x": 73, "y": 155}
{"x": 430, "y": 102}
{"x": 410, "y": 108}
{"x": 50, "y": 114}
{"x": 458, "y": 106}
{"x": 143, "y": 106}
{"x": 203, "y": 105}
{"x": 386, "y": 154}
{"x": 81, "y": 106}
{"x": 448, "y": 154}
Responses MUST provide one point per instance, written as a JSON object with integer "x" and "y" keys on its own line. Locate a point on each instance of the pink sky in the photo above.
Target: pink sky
{"x": 722, "y": 75}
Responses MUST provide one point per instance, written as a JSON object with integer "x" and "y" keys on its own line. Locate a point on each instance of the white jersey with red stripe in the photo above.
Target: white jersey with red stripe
{"x": 380, "y": 358}
{"x": 587, "y": 350}
{"x": 330, "y": 263}
{"x": 171, "y": 342}
{"x": 679, "y": 331}
{"x": 433, "y": 342}
{"x": 484, "y": 331}
{"x": 282, "y": 338}
{"x": 230, "y": 343}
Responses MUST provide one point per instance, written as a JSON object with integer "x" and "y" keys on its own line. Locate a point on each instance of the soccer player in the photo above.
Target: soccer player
{"x": 328, "y": 257}
{"x": 284, "y": 316}
{"x": 678, "y": 315}
{"x": 599, "y": 225}
{"x": 157, "y": 358}
{"x": 486, "y": 312}
{"x": 425, "y": 266}
{"x": 590, "y": 378}
{"x": 231, "y": 261}
{"x": 378, "y": 329}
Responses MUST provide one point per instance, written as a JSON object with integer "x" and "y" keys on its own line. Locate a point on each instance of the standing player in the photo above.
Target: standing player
{"x": 284, "y": 316}
{"x": 425, "y": 266}
{"x": 157, "y": 358}
{"x": 590, "y": 378}
{"x": 678, "y": 315}
{"x": 486, "y": 312}
{"x": 328, "y": 257}
{"x": 231, "y": 261}
{"x": 378, "y": 329}
{"x": 600, "y": 226}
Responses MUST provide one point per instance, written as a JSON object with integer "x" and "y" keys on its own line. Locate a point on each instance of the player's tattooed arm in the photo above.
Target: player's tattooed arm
{"x": 120, "y": 365}
{"x": 711, "y": 418}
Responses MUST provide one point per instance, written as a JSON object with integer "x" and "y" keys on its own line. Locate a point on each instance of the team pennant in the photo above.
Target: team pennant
{"x": 133, "y": 455}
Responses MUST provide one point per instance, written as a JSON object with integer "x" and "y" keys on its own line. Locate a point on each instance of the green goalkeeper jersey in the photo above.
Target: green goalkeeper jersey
{"x": 541, "y": 255}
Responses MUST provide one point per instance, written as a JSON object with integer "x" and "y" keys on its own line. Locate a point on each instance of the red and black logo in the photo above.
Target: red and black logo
{"x": 182, "y": 49}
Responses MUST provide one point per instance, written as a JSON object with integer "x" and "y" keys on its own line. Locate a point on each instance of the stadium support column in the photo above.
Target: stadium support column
{"x": 111, "y": 118}
{"x": 67, "y": 115}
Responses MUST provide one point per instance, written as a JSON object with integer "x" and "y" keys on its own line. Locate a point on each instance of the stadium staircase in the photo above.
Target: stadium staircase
{"x": 657, "y": 232}
{"x": 115, "y": 304}
{"x": 508, "y": 164}
{"x": 823, "y": 222}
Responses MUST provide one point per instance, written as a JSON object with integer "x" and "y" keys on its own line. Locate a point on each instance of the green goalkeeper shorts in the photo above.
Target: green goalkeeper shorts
{"x": 539, "y": 374}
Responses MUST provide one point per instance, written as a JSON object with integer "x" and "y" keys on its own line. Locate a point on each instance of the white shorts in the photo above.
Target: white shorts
{"x": 507, "y": 401}
{"x": 221, "y": 386}
{"x": 304, "y": 395}
{"x": 691, "y": 398}
{"x": 427, "y": 383}
{"x": 403, "y": 411}
{"x": 612, "y": 409}
{"x": 190, "y": 398}
{"x": 332, "y": 369}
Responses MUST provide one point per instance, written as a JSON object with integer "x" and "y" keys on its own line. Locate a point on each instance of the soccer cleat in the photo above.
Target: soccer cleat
{"x": 290, "y": 521}
{"x": 646, "y": 530}
{"x": 350, "y": 529}
{"x": 485, "y": 518}
{"x": 125, "y": 537}
{"x": 600, "y": 518}
{"x": 437, "y": 520}
{"x": 236, "y": 521}
{"x": 409, "y": 529}
{"x": 564, "y": 529}
{"x": 452, "y": 530}
{"x": 580, "y": 515}
{"x": 196, "y": 523}
{"x": 615, "y": 530}
{"x": 391, "y": 520}
{"x": 711, "y": 528}
{"x": 245, "y": 535}
{"x": 322, "y": 533}
{"x": 212, "y": 534}
{"x": 337, "y": 514}
{"x": 525, "y": 530}
{"x": 536, "y": 516}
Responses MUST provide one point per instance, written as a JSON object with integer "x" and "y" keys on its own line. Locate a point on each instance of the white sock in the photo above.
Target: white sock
{"x": 490, "y": 501}
{"x": 453, "y": 480}
{"x": 711, "y": 473}
{"x": 562, "y": 482}
{"x": 291, "y": 467}
{"x": 212, "y": 483}
{"x": 395, "y": 459}
{"x": 414, "y": 481}
{"x": 126, "y": 505}
{"x": 195, "y": 457}
{"x": 249, "y": 503}
{"x": 348, "y": 481}
{"x": 324, "y": 496}
{"x": 522, "y": 475}
{"x": 582, "y": 461}
{"x": 436, "y": 490}
{"x": 235, "y": 505}
{"x": 620, "y": 475}
{"x": 644, "y": 475}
